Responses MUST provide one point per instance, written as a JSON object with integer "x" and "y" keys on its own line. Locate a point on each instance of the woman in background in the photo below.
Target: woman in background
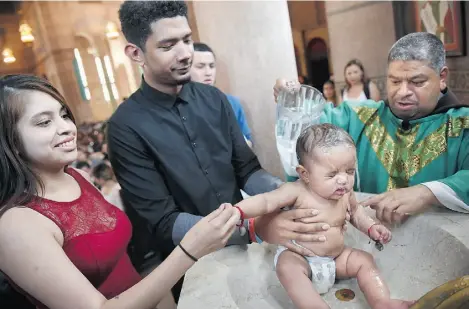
{"x": 358, "y": 87}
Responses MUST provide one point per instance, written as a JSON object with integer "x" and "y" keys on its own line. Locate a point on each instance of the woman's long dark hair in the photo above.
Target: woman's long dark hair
{"x": 19, "y": 184}
{"x": 359, "y": 64}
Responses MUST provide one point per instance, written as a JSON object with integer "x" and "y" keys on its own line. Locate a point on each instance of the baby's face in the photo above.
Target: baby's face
{"x": 332, "y": 171}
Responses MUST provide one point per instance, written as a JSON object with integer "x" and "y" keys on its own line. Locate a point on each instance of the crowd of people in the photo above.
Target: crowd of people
{"x": 92, "y": 158}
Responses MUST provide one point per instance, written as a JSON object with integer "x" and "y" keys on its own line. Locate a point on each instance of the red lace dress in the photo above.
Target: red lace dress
{"x": 96, "y": 235}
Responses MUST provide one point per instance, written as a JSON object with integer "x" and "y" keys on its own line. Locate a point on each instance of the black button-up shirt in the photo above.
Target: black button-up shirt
{"x": 174, "y": 154}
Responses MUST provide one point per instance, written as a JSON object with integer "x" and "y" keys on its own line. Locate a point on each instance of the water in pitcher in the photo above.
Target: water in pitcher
{"x": 296, "y": 110}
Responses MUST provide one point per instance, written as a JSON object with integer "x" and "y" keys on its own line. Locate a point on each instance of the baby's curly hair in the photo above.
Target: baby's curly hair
{"x": 136, "y": 17}
{"x": 321, "y": 136}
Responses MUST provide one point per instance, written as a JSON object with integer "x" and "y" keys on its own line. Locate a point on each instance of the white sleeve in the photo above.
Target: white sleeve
{"x": 115, "y": 199}
{"x": 446, "y": 196}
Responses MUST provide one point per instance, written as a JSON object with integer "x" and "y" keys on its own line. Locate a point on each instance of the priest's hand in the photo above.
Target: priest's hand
{"x": 283, "y": 84}
{"x": 397, "y": 205}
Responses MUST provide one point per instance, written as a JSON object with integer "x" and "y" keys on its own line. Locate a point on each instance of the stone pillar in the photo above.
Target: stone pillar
{"x": 192, "y": 20}
{"x": 123, "y": 70}
{"x": 459, "y": 67}
{"x": 102, "y": 49}
{"x": 253, "y": 44}
{"x": 63, "y": 59}
{"x": 61, "y": 40}
{"x": 363, "y": 30}
{"x": 98, "y": 106}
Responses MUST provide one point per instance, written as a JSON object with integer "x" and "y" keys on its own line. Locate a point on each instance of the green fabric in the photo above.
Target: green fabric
{"x": 290, "y": 178}
{"x": 435, "y": 148}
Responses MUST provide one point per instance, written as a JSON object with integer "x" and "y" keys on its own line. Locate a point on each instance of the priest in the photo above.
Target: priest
{"x": 413, "y": 149}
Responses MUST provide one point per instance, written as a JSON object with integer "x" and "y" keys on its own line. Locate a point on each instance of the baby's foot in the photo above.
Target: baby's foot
{"x": 394, "y": 304}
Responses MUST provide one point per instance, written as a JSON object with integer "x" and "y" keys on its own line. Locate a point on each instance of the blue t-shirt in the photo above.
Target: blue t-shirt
{"x": 240, "y": 117}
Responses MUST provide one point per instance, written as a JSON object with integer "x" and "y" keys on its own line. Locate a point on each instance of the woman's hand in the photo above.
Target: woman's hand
{"x": 212, "y": 232}
{"x": 297, "y": 224}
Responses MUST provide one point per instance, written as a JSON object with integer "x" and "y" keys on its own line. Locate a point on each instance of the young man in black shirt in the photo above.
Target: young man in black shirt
{"x": 175, "y": 146}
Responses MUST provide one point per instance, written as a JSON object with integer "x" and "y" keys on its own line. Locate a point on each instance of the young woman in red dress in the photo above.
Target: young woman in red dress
{"x": 61, "y": 243}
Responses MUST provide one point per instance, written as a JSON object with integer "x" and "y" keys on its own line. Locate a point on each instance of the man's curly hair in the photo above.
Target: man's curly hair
{"x": 136, "y": 17}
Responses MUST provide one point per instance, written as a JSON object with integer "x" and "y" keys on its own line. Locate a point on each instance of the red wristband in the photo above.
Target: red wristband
{"x": 252, "y": 230}
{"x": 241, "y": 213}
{"x": 369, "y": 229}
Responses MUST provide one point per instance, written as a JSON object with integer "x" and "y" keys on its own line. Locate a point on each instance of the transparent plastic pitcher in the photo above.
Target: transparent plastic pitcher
{"x": 297, "y": 109}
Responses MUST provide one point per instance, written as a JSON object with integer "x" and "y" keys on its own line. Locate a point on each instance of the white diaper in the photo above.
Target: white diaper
{"x": 322, "y": 270}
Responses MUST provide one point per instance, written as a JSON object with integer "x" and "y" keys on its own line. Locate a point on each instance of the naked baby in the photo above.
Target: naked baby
{"x": 327, "y": 163}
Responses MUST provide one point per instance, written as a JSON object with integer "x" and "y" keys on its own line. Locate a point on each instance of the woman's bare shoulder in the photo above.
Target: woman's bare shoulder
{"x": 14, "y": 214}
{"x": 18, "y": 221}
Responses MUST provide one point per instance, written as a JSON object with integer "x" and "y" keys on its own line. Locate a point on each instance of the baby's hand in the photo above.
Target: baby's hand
{"x": 381, "y": 233}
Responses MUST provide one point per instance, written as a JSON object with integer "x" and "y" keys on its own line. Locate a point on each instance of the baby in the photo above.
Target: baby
{"x": 327, "y": 163}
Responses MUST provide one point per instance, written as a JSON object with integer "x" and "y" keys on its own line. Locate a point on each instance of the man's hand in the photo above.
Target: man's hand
{"x": 283, "y": 84}
{"x": 282, "y": 227}
{"x": 396, "y": 205}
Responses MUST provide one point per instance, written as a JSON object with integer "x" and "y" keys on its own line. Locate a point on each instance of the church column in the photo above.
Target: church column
{"x": 64, "y": 62}
{"x": 253, "y": 44}
{"x": 61, "y": 41}
{"x": 102, "y": 48}
{"x": 362, "y": 30}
